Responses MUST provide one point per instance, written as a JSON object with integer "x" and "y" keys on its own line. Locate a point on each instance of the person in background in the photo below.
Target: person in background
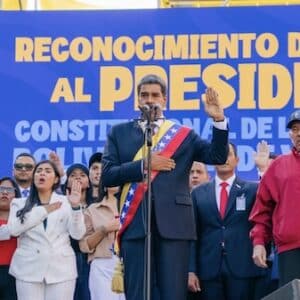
{"x": 23, "y": 169}
{"x": 8, "y": 244}
{"x": 275, "y": 214}
{"x": 175, "y": 148}
{"x": 44, "y": 262}
{"x": 221, "y": 263}
{"x": 78, "y": 173}
{"x": 198, "y": 174}
{"x": 102, "y": 222}
{"x": 22, "y": 172}
{"x": 95, "y": 167}
{"x": 263, "y": 159}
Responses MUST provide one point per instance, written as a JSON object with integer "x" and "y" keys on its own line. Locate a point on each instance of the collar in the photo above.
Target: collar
{"x": 230, "y": 180}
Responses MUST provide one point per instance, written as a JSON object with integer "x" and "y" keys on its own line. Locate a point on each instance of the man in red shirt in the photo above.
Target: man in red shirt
{"x": 276, "y": 212}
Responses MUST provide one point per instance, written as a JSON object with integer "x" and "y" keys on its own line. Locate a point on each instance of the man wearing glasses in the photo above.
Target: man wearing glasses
{"x": 23, "y": 170}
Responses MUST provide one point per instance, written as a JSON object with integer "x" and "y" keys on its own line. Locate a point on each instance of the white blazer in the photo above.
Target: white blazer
{"x": 45, "y": 254}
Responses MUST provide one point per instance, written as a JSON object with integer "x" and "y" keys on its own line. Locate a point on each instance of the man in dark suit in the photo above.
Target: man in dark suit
{"x": 221, "y": 264}
{"x": 172, "y": 221}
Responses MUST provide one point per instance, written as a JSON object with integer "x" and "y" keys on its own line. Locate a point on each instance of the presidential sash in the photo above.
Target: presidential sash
{"x": 168, "y": 139}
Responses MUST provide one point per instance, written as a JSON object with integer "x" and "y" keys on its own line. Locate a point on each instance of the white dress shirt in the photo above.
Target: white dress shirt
{"x": 218, "y": 187}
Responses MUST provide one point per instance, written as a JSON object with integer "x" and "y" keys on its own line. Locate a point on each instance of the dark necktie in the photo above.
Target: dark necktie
{"x": 223, "y": 199}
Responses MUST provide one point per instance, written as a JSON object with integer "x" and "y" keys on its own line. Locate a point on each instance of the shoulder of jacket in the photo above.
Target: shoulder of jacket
{"x": 19, "y": 201}
{"x": 246, "y": 183}
{"x": 201, "y": 187}
{"x": 123, "y": 125}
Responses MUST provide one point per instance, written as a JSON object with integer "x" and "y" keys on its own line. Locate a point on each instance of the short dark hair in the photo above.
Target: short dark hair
{"x": 96, "y": 157}
{"x": 26, "y": 154}
{"x": 153, "y": 79}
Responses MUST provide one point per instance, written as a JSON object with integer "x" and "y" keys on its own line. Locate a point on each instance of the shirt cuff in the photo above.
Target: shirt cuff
{"x": 222, "y": 125}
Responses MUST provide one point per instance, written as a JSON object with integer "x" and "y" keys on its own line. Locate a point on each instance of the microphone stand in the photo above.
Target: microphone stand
{"x": 150, "y": 116}
{"x": 148, "y": 140}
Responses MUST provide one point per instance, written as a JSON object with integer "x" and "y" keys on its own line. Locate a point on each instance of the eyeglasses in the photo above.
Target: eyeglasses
{"x": 27, "y": 167}
{"x": 7, "y": 189}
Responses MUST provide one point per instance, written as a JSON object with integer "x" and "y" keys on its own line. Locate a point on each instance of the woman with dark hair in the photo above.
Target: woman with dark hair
{"x": 102, "y": 223}
{"x": 44, "y": 263}
{"x": 80, "y": 173}
{"x": 8, "y": 244}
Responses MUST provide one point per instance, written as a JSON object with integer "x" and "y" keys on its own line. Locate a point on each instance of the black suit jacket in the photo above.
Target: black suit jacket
{"x": 170, "y": 190}
{"x": 230, "y": 235}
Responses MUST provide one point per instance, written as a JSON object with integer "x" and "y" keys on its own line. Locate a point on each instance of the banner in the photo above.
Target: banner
{"x": 67, "y": 77}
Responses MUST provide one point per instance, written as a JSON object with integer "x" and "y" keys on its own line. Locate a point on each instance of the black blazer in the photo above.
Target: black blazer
{"x": 233, "y": 230}
{"x": 170, "y": 190}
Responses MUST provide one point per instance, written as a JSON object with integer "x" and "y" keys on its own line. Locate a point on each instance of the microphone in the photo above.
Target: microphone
{"x": 157, "y": 111}
{"x": 150, "y": 112}
{"x": 145, "y": 108}
{"x": 146, "y": 112}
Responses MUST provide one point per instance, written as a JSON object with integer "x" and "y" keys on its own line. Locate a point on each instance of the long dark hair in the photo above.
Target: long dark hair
{"x": 102, "y": 191}
{"x": 17, "y": 190}
{"x": 33, "y": 198}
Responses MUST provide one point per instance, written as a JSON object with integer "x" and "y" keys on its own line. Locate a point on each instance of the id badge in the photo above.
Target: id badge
{"x": 241, "y": 203}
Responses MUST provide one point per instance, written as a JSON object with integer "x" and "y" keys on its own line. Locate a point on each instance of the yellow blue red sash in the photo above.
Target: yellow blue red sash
{"x": 168, "y": 139}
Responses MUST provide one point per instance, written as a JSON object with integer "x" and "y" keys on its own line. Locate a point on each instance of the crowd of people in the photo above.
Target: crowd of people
{"x": 63, "y": 232}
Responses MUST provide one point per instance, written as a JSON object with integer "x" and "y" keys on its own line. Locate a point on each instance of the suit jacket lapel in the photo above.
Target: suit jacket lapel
{"x": 213, "y": 199}
{"x": 234, "y": 192}
{"x": 137, "y": 135}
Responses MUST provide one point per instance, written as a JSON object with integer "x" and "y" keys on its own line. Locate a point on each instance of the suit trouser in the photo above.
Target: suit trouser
{"x": 226, "y": 286}
{"x": 169, "y": 269}
{"x": 43, "y": 291}
{"x": 169, "y": 266}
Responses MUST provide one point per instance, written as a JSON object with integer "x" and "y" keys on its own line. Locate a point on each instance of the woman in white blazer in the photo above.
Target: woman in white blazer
{"x": 44, "y": 263}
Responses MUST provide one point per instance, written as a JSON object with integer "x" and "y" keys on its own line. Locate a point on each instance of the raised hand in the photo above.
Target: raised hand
{"x": 212, "y": 105}
{"x": 75, "y": 195}
{"x": 261, "y": 157}
{"x": 56, "y": 160}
